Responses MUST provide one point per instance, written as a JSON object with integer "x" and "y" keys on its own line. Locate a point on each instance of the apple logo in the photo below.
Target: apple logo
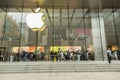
{"x": 34, "y": 20}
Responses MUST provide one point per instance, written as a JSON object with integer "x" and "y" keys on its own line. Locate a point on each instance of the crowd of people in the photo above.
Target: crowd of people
{"x": 60, "y": 55}
{"x": 71, "y": 55}
{"x": 113, "y": 55}
{"x": 21, "y": 56}
{"x": 40, "y": 56}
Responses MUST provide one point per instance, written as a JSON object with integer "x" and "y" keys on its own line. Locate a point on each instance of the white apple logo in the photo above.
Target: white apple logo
{"x": 34, "y": 20}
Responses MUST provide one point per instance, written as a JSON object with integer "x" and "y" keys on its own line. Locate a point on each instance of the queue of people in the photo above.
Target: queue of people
{"x": 60, "y": 55}
{"x": 71, "y": 55}
{"x": 22, "y": 56}
{"x": 113, "y": 55}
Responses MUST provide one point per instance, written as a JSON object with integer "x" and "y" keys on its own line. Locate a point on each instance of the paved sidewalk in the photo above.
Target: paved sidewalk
{"x": 63, "y": 76}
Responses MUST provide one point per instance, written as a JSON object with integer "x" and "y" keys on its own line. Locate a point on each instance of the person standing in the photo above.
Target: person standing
{"x": 62, "y": 56}
{"x": 118, "y": 54}
{"x": 78, "y": 55}
{"x": 109, "y": 55}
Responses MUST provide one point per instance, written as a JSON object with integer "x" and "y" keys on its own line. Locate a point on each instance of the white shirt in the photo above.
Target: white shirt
{"x": 109, "y": 52}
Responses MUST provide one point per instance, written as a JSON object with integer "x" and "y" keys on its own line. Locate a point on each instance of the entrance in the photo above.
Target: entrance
{"x": 91, "y": 26}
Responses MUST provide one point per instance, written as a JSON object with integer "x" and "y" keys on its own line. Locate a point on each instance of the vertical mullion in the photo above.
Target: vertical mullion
{"x": 21, "y": 26}
{"x": 68, "y": 24}
{"x": 36, "y": 43}
{"x": 53, "y": 33}
{"x": 4, "y": 28}
{"x": 84, "y": 27}
{"x": 115, "y": 27}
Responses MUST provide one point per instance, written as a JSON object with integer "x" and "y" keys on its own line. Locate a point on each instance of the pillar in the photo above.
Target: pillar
{"x": 99, "y": 40}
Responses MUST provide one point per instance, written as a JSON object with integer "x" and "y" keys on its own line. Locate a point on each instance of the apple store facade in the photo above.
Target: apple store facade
{"x": 88, "y": 26}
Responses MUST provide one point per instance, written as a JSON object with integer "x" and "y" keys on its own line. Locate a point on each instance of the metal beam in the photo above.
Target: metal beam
{"x": 32, "y": 10}
{"x": 60, "y": 17}
{"x": 18, "y": 10}
{"x": 48, "y": 16}
{"x": 72, "y": 16}
{"x": 4, "y": 9}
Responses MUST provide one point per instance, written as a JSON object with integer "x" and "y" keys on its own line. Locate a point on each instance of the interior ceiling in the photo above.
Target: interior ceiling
{"x": 66, "y": 12}
{"x": 59, "y": 3}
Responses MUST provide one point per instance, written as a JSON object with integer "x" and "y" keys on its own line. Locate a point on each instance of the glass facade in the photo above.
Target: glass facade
{"x": 70, "y": 27}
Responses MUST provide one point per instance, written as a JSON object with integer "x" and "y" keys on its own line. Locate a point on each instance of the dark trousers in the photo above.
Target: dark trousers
{"x": 109, "y": 58}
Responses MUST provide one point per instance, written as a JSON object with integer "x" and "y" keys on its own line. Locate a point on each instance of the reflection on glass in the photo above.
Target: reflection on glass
{"x": 92, "y": 31}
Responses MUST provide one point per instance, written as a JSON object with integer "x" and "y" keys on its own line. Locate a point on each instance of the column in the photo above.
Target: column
{"x": 99, "y": 40}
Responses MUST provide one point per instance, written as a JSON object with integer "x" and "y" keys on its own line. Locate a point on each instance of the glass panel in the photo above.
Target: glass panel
{"x": 89, "y": 30}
